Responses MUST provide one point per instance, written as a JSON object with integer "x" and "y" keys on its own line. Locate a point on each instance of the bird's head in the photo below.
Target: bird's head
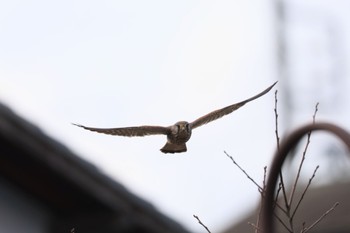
{"x": 183, "y": 126}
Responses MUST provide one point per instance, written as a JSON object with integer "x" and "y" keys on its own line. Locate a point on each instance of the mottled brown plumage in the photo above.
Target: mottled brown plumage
{"x": 179, "y": 133}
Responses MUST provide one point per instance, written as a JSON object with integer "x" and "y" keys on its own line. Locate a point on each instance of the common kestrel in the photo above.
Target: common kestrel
{"x": 179, "y": 133}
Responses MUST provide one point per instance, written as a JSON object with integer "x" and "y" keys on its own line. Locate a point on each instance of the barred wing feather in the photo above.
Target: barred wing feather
{"x": 227, "y": 110}
{"x": 138, "y": 131}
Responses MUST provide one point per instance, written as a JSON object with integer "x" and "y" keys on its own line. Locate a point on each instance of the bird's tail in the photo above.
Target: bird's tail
{"x": 173, "y": 148}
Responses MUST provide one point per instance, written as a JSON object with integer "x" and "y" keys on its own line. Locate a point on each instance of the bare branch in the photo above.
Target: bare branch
{"x": 264, "y": 180}
{"x": 277, "y": 194}
{"x": 200, "y": 222}
{"x": 257, "y": 229}
{"x": 276, "y": 201}
{"x": 276, "y": 122}
{"x": 282, "y": 223}
{"x": 302, "y": 158}
{"x": 316, "y": 110}
{"x": 306, "y": 229}
{"x": 240, "y": 168}
{"x": 283, "y": 187}
{"x": 278, "y": 147}
{"x": 261, "y": 201}
{"x": 305, "y": 190}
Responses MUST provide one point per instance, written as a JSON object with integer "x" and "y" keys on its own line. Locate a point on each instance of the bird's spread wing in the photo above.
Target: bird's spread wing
{"x": 130, "y": 131}
{"x": 227, "y": 110}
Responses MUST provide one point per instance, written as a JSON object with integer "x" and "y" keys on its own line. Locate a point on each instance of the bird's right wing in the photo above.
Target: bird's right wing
{"x": 138, "y": 131}
{"x": 227, "y": 110}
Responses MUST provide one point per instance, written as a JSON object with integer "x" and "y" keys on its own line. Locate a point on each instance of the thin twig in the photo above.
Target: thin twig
{"x": 282, "y": 223}
{"x": 276, "y": 122}
{"x": 284, "y": 194}
{"x": 257, "y": 229}
{"x": 277, "y": 194}
{"x": 304, "y": 230}
{"x": 261, "y": 201}
{"x": 278, "y": 147}
{"x": 316, "y": 110}
{"x": 200, "y": 222}
{"x": 305, "y": 190}
{"x": 286, "y": 211}
{"x": 276, "y": 200}
{"x": 240, "y": 168}
{"x": 264, "y": 180}
{"x": 302, "y": 159}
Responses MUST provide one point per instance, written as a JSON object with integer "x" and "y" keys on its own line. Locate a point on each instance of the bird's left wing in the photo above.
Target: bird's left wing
{"x": 130, "y": 131}
{"x": 227, "y": 110}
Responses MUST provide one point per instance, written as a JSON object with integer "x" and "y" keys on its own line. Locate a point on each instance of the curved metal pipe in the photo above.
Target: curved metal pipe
{"x": 287, "y": 145}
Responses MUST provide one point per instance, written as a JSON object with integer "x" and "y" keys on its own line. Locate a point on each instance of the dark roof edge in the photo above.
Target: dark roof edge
{"x": 63, "y": 161}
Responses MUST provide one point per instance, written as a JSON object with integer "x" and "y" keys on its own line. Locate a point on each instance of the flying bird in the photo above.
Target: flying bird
{"x": 179, "y": 133}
